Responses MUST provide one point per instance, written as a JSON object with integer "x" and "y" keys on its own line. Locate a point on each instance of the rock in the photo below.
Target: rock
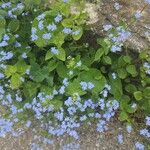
{"x": 104, "y": 12}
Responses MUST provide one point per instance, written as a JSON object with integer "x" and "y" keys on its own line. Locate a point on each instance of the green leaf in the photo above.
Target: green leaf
{"x": 2, "y": 31}
{"x": 21, "y": 67}
{"x": 15, "y": 81}
{"x": 94, "y": 76}
{"x": 146, "y": 92}
{"x": 124, "y": 102}
{"x": 138, "y": 95}
{"x": 56, "y": 102}
{"x": 116, "y": 87}
{"x": 67, "y": 23}
{"x": 10, "y": 70}
{"x": 122, "y": 73}
{"x": 62, "y": 70}
{"x": 99, "y": 54}
{"x": 30, "y": 89}
{"x": 77, "y": 33}
{"x": 58, "y": 39}
{"x": 131, "y": 69}
{"x": 3, "y": 13}
{"x": 61, "y": 55}
{"x": 37, "y": 73}
{"x": 13, "y": 26}
{"x": 52, "y": 64}
{"x": 2, "y": 22}
{"x": 123, "y": 116}
{"x": 107, "y": 60}
{"x": 127, "y": 59}
{"x": 130, "y": 88}
{"x": 121, "y": 62}
{"x": 49, "y": 55}
{"x": 74, "y": 88}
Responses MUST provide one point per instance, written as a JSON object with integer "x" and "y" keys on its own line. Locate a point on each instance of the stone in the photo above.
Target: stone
{"x": 104, "y": 12}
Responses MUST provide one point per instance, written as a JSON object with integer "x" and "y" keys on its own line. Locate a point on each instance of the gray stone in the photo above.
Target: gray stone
{"x": 104, "y": 12}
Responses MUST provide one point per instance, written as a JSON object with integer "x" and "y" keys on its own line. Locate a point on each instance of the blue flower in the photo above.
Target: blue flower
{"x": 83, "y": 118}
{"x": 101, "y": 103}
{"x": 107, "y": 27}
{"x": 76, "y": 32}
{"x": 147, "y": 121}
{"x": 46, "y": 36}
{"x": 145, "y": 132}
{"x": 117, "y": 6}
{"x": 40, "y": 25}
{"x": 84, "y": 85}
{"x": 67, "y": 30}
{"x": 65, "y": 82}
{"x": 52, "y": 27}
{"x": 2, "y": 75}
{"x": 58, "y": 18}
{"x": 34, "y": 37}
{"x": 101, "y": 126}
{"x": 59, "y": 115}
{"x": 120, "y": 138}
{"x": 6, "y": 126}
{"x": 139, "y": 146}
{"x": 90, "y": 85}
{"x": 62, "y": 90}
{"x": 114, "y": 76}
{"x": 74, "y": 134}
{"x": 40, "y": 17}
{"x": 54, "y": 51}
{"x": 147, "y": 1}
{"x": 71, "y": 110}
{"x": 28, "y": 124}
{"x": 138, "y": 14}
{"x": 115, "y": 48}
{"x": 24, "y": 55}
{"x": 129, "y": 128}
{"x": 71, "y": 146}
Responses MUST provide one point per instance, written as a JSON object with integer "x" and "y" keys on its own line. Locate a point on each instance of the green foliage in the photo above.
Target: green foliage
{"x": 35, "y": 69}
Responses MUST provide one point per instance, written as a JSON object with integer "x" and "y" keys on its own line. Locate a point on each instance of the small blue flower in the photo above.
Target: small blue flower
{"x": 83, "y": 118}
{"x": 28, "y": 124}
{"x": 147, "y": 121}
{"x": 90, "y": 85}
{"x": 115, "y": 48}
{"x": 129, "y": 128}
{"x": 40, "y": 25}
{"x": 147, "y": 1}
{"x": 62, "y": 90}
{"x": 120, "y": 139}
{"x": 24, "y": 55}
{"x": 107, "y": 27}
{"x": 117, "y": 6}
{"x": 54, "y": 51}
{"x": 139, "y": 146}
{"x": 58, "y": 18}
{"x": 67, "y": 30}
{"x": 40, "y": 17}
{"x": 114, "y": 76}
{"x": 52, "y": 27}
{"x": 46, "y": 36}
{"x": 74, "y": 134}
{"x": 65, "y": 82}
{"x": 84, "y": 85}
{"x": 138, "y": 14}
{"x": 2, "y": 75}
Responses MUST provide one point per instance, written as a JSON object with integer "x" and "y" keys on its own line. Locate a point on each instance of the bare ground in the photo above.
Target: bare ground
{"x": 90, "y": 140}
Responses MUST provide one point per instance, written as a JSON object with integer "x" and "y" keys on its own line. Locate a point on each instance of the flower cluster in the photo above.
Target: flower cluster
{"x": 147, "y": 68}
{"x": 86, "y": 85}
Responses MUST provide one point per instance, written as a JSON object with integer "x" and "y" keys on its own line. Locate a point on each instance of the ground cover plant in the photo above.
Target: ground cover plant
{"x": 49, "y": 75}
